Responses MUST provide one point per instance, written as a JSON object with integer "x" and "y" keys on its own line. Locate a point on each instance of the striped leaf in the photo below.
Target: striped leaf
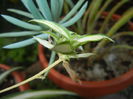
{"x": 56, "y": 27}
{"x": 18, "y": 34}
{"x": 20, "y": 23}
{"x": 44, "y": 43}
{"x": 90, "y": 38}
{"x": 76, "y": 17}
{"x": 84, "y": 55}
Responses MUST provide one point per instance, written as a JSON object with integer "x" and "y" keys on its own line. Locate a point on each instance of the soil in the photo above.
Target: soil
{"x": 114, "y": 61}
{"x": 9, "y": 81}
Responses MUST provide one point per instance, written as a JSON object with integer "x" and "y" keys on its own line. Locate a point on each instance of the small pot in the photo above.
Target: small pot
{"x": 89, "y": 88}
{"x": 18, "y": 77}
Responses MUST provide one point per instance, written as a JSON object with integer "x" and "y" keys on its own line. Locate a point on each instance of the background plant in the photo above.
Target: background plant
{"x": 92, "y": 17}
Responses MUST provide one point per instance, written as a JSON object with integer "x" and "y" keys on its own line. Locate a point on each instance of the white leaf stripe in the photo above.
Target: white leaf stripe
{"x": 56, "y": 27}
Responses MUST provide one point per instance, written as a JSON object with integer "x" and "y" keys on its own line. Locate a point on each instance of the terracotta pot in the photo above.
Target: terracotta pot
{"x": 88, "y": 88}
{"x": 19, "y": 77}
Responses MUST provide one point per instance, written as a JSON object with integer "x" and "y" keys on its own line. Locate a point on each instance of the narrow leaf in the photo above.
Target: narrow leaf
{"x": 18, "y": 34}
{"x": 39, "y": 94}
{"x": 29, "y": 4}
{"x": 55, "y": 9}
{"x": 25, "y": 42}
{"x": 73, "y": 11}
{"x": 61, "y": 2}
{"x": 20, "y": 12}
{"x": 70, "y": 2}
{"x": 20, "y": 23}
{"x": 76, "y": 17}
{"x": 44, "y": 8}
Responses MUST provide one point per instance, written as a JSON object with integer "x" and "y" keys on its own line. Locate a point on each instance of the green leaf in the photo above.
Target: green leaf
{"x": 25, "y": 42}
{"x": 72, "y": 12}
{"x": 44, "y": 43}
{"x": 56, "y": 27}
{"x": 18, "y": 34}
{"x": 70, "y": 2}
{"x": 61, "y": 2}
{"x": 44, "y": 8}
{"x": 89, "y": 38}
{"x": 20, "y": 12}
{"x": 39, "y": 94}
{"x": 122, "y": 21}
{"x": 29, "y": 4}
{"x": 20, "y": 23}
{"x": 4, "y": 75}
{"x": 63, "y": 47}
{"x": 55, "y": 9}
{"x": 76, "y": 17}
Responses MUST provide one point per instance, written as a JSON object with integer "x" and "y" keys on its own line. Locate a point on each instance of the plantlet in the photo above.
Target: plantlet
{"x": 68, "y": 44}
{"x": 62, "y": 37}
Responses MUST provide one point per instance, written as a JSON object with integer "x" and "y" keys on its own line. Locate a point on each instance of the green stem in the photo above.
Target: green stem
{"x": 33, "y": 77}
{"x": 107, "y": 19}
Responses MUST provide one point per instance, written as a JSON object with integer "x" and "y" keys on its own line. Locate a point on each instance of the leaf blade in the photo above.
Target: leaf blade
{"x": 20, "y": 23}
{"x": 44, "y": 8}
{"x": 20, "y": 12}
{"x": 18, "y": 34}
{"x": 25, "y": 42}
{"x": 76, "y": 17}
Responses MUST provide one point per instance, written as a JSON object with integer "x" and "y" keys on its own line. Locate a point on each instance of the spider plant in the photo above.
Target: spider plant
{"x": 42, "y": 9}
{"x": 65, "y": 43}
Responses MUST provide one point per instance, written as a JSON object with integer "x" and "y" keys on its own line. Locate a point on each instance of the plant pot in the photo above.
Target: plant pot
{"x": 89, "y": 88}
{"x": 18, "y": 77}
